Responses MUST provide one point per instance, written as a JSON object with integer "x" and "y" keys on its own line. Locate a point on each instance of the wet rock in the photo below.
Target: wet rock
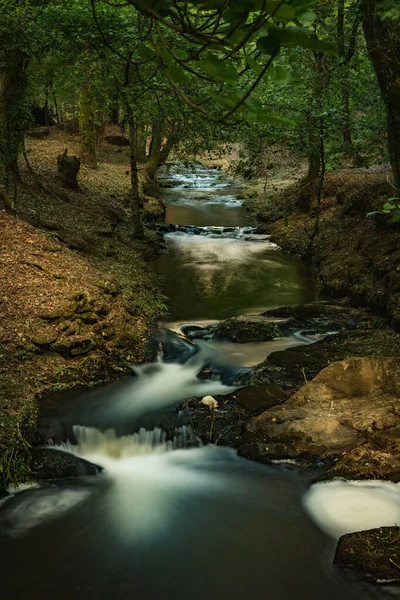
{"x": 317, "y": 317}
{"x": 3, "y": 493}
{"x": 373, "y": 553}
{"x": 234, "y": 411}
{"x": 336, "y": 412}
{"x": 48, "y": 463}
{"x": 293, "y": 367}
{"x": 241, "y": 331}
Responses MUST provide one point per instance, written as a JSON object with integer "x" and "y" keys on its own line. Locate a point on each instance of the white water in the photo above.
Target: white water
{"x": 149, "y": 480}
{"x": 340, "y": 507}
{"x": 162, "y": 385}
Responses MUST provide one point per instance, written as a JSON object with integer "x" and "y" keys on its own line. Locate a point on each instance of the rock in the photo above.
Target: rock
{"x": 235, "y": 410}
{"x": 82, "y": 242}
{"x": 238, "y": 330}
{"x": 3, "y": 493}
{"x": 61, "y": 347}
{"x": 44, "y": 336}
{"x": 291, "y": 367}
{"x": 54, "y": 314}
{"x": 373, "y": 553}
{"x": 80, "y": 350}
{"x": 73, "y": 346}
{"x": 48, "y": 463}
{"x": 318, "y": 317}
{"x": 336, "y": 412}
{"x": 101, "y": 309}
{"x": 83, "y": 307}
{"x": 255, "y": 399}
{"x": 68, "y": 169}
{"x": 88, "y": 318}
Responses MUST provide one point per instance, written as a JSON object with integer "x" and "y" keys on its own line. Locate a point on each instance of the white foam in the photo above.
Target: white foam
{"x": 149, "y": 482}
{"x": 340, "y": 507}
{"x": 47, "y": 504}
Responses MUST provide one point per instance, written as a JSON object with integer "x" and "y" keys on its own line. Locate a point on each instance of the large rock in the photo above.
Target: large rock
{"x": 240, "y": 330}
{"x": 234, "y": 410}
{"x": 345, "y": 405}
{"x": 48, "y": 463}
{"x": 373, "y": 553}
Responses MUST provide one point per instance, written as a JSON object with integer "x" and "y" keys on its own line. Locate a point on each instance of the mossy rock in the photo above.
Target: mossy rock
{"x": 54, "y": 314}
{"x": 43, "y": 337}
{"x": 373, "y": 553}
{"x": 88, "y": 318}
{"x": 240, "y": 331}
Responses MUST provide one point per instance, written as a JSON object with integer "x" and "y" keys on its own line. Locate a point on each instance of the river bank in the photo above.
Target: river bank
{"x": 76, "y": 294}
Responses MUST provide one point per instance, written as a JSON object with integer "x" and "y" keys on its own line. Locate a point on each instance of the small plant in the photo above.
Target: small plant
{"x": 391, "y": 208}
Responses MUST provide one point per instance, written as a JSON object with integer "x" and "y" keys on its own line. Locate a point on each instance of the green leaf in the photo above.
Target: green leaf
{"x": 300, "y": 36}
{"x": 217, "y": 69}
{"x": 177, "y": 74}
{"x": 145, "y": 52}
{"x": 282, "y": 75}
{"x": 254, "y": 65}
{"x": 166, "y": 57}
{"x": 306, "y": 17}
{"x": 254, "y": 105}
{"x": 223, "y": 101}
{"x": 274, "y": 120}
{"x": 182, "y": 54}
{"x": 303, "y": 3}
{"x": 388, "y": 206}
{"x": 269, "y": 43}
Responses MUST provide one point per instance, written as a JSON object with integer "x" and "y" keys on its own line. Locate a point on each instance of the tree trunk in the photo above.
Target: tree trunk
{"x": 136, "y": 202}
{"x": 141, "y": 142}
{"x": 13, "y": 84}
{"x": 383, "y": 43}
{"x": 88, "y": 129}
{"x": 155, "y": 150}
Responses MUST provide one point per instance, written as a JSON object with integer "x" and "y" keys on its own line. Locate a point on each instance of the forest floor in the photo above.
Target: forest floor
{"x": 76, "y": 295}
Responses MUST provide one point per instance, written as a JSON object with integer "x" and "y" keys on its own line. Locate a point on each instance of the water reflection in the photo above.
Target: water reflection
{"x": 219, "y": 277}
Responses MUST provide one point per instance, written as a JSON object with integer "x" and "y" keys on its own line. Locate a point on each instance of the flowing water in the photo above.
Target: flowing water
{"x": 168, "y": 517}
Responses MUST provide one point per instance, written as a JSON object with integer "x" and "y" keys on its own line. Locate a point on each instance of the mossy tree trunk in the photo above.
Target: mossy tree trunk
{"x": 88, "y": 126}
{"x": 136, "y": 201}
{"x": 14, "y": 114}
{"x": 383, "y": 43}
{"x": 141, "y": 142}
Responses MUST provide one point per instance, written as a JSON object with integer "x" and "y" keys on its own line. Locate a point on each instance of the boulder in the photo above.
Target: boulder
{"x": 346, "y": 404}
{"x": 373, "y": 553}
{"x": 241, "y": 331}
{"x": 234, "y": 410}
{"x": 48, "y": 463}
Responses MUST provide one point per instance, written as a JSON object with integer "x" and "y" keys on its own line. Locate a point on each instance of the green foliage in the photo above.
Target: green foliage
{"x": 391, "y": 210}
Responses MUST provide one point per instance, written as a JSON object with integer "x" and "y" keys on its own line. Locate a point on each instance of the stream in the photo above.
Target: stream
{"x": 168, "y": 517}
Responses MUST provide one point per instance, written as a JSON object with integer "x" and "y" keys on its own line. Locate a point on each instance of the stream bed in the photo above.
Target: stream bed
{"x": 167, "y": 517}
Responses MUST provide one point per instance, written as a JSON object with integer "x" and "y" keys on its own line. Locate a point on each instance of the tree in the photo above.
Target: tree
{"x": 383, "y": 42}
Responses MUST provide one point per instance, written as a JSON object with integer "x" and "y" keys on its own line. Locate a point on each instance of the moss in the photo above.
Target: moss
{"x": 374, "y": 553}
{"x": 237, "y": 330}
